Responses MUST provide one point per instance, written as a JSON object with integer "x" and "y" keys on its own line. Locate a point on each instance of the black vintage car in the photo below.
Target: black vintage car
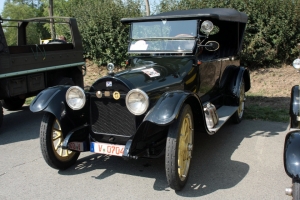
{"x": 182, "y": 76}
{"x": 291, "y": 152}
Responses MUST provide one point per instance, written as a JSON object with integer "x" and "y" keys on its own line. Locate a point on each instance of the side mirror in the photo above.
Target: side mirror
{"x": 212, "y": 46}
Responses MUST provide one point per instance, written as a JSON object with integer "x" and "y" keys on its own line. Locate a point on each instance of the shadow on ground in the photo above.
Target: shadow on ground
{"x": 212, "y": 168}
{"x": 20, "y": 125}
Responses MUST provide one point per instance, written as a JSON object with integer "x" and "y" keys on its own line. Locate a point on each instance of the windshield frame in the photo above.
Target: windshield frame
{"x": 190, "y": 40}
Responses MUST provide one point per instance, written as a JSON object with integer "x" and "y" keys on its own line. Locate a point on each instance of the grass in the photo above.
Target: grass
{"x": 254, "y": 111}
{"x": 29, "y": 100}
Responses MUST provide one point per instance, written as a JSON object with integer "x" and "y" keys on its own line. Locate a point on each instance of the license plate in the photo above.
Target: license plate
{"x": 77, "y": 146}
{"x": 109, "y": 149}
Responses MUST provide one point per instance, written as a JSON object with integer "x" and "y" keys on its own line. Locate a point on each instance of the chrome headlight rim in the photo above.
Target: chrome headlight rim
{"x": 83, "y": 97}
{"x": 296, "y": 63}
{"x": 146, "y": 101}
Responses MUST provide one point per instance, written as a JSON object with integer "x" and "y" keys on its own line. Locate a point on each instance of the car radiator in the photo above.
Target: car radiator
{"x": 111, "y": 117}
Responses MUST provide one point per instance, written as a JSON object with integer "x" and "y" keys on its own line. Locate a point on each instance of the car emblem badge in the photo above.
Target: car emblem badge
{"x": 116, "y": 95}
{"x": 108, "y": 84}
{"x": 107, "y": 93}
{"x": 98, "y": 94}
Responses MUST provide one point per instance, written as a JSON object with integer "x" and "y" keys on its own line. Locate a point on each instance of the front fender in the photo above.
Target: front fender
{"x": 292, "y": 154}
{"x": 52, "y": 100}
{"x": 167, "y": 107}
{"x": 45, "y": 100}
{"x": 295, "y": 107}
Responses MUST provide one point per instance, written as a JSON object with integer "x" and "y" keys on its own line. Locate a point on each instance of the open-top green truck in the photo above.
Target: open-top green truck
{"x": 26, "y": 69}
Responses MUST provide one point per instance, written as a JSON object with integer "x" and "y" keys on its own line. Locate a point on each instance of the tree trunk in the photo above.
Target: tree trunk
{"x": 52, "y": 28}
{"x": 147, "y": 7}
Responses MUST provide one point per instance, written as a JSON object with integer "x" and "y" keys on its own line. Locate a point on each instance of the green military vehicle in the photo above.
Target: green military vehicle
{"x": 26, "y": 69}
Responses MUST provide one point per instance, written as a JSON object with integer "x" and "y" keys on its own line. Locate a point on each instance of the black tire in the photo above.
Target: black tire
{"x": 238, "y": 115}
{"x": 296, "y": 190}
{"x": 14, "y": 103}
{"x": 64, "y": 81}
{"x": 1, "y": 114}
{"x": 179, "y": 148}
{"x": 51, "y": 139}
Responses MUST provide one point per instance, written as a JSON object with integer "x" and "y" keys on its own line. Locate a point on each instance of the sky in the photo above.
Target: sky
{"x": 2, "y": 4}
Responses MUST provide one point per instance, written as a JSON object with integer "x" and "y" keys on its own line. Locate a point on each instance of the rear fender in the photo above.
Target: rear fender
{"x": 52, "y": 100}
{"x": 295, "y": 107}
{"x": 292, "y": 154}
{"x": 231, "y": 81}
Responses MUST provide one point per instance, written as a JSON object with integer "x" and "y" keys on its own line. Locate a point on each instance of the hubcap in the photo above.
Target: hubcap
{"x": 242, "y": 100}
{"x": 185, "y": 147}
{"x": 57, "y": 140}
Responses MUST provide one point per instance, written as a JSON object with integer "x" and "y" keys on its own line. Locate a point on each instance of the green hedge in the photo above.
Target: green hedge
{"x": 271, "y": 34}
{"x": 272, "y": 31}
{"x": 105, "y": 39}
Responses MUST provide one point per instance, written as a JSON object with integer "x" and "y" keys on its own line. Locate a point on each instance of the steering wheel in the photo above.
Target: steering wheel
{"x": 57, "y": 41}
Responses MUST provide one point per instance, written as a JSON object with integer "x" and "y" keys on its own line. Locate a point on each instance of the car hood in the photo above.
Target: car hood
{"x": 157, "y": 74}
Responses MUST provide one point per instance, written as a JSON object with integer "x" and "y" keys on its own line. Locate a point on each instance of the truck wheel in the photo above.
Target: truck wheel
{"x": 13, "y": 103}
{"x": 64, "y": 81}
{"x": 179, "y": 148}
{"x": 296, "y": 190}
{"x": 238, "y": 115}
{"x": 51, "y": 139}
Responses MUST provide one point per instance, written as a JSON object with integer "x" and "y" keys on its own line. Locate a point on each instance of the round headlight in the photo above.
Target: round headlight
{"x": 296, "y": 63}
{"x": 137, "y": 101}
{"x": 75, "y": 97}
{"x": 207, "y": 26}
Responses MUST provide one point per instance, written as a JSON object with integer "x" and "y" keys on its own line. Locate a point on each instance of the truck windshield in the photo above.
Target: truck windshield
{"x": 163, "y": 36}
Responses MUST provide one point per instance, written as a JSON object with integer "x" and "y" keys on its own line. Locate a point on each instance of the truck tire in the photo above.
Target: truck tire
{"x": 179, "y": 148}
{"x": 63, "y": 81}
{"x": 13, "y": 103}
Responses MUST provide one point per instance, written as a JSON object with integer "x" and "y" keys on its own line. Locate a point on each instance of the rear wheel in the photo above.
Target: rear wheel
{"x": 179, "y": 149}
{"x": 238, "y": 115}
{"x": 14, "y": 103}
{"x": 51, "y": 139}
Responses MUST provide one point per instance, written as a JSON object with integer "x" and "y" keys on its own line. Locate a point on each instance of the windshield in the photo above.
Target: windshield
{"x": 163, "y": 36}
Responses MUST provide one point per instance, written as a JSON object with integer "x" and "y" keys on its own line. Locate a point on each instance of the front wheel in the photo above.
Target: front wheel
{"x": 238, "y": 115}
{"x": 179, "y": 148}
{"x": 51, "y": 139}
{"x": 296, "y": 190}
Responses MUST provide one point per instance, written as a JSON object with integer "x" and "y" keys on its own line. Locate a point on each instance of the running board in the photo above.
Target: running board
{"x": 224, "y": 113}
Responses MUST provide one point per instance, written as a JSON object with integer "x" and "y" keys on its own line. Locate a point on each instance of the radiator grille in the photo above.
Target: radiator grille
{"x": 111, "y": 117}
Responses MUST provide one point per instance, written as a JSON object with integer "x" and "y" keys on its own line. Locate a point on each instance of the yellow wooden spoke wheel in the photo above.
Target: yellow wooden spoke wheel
{"x": 51, "y": 139}
{"x": 179, "y": 148}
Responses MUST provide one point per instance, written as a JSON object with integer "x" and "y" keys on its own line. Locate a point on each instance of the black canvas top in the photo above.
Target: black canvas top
{"x": 224, "y": 14}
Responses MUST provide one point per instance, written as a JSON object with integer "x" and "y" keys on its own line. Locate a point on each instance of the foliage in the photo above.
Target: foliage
{"x": 104, "y": 37}
{"x": 22, "y": 9}
{"x": 272, "y": 30}
{"x": 271, "y": 36}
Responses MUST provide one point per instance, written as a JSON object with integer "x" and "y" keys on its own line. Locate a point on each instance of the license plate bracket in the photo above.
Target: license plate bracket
{"x": 106, "y": 148}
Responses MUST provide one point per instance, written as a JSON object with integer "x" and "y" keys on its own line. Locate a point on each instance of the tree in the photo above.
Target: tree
{"x": 22, "y": 9}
